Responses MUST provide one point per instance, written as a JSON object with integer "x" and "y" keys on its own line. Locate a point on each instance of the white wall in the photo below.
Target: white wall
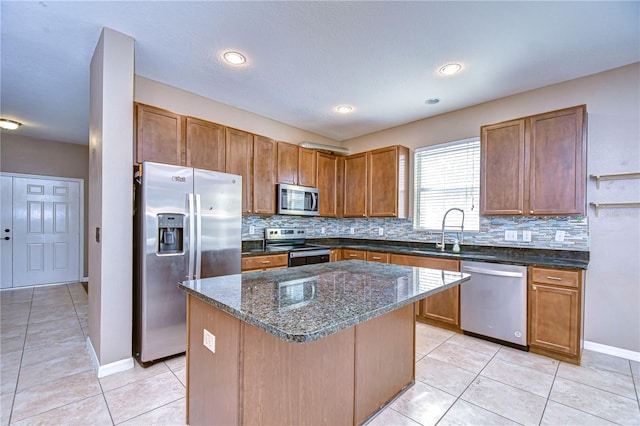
{"x": 186, "y": 103}
{"x": 110, "y": 205}
{"x": 612, "y": 314}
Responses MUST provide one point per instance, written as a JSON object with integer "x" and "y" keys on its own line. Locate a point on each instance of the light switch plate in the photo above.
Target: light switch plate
{"x": 252, "y": 230}
{"x": 526, "y": 236}
{"x": 209, "y": 340}
{"x": 352, "y": 231}
{"x": 511, "y": 235}
{"x": 323, "y": 230}
{"x": 381, "y": 231}
{"x": 559, "y": 236}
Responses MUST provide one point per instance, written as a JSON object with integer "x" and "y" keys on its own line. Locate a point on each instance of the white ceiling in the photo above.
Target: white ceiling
{"x": 304, "y": 58}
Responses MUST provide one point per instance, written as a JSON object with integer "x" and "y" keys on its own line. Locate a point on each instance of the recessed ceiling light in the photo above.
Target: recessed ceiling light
{"x": 9, "y": 124}
{"x": 344, "y": 109}
{"x": 432, "y": 101}
{"x": 450, "y": 69}
{"x": 234, "y": 58}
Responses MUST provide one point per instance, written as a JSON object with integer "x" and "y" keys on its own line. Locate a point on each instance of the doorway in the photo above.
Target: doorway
{"x": 41, "y": 224}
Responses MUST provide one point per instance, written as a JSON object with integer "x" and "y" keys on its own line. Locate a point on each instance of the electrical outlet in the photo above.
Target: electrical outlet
{"x": 526, "y": 236}
{"x": 559, "y": 236}
{"x": 352, "y": 231}
{"x": 252, "y": 230}
{"x": 209, "y": 340}
{"x": 511, "y": 235}
{"x": 381, "y": 231}
{"x": 323, "y": 230}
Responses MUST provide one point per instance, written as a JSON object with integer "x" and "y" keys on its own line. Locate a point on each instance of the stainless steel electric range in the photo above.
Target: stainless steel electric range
{"x": 295, "y": 241}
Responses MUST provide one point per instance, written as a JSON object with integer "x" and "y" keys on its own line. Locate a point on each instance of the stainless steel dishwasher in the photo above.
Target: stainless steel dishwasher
{"x": 493, "y": 303}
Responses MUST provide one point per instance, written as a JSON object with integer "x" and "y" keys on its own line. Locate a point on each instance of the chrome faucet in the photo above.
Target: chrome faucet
{"x": 440, "y": 245}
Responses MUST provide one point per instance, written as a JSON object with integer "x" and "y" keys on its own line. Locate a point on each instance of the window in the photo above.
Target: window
{"x": 446, "y": 176}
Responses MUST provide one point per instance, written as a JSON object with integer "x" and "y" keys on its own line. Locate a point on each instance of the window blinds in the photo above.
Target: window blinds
{"x": 446, "y": 176}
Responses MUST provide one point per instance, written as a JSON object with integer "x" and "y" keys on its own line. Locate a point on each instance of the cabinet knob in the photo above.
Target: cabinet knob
{"x": 519, "y": 211}
{"x": 534, "y": 288}
{"x": 530, "y": 211}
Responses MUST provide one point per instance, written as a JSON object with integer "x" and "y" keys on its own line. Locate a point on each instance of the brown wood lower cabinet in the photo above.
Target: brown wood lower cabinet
{"x": 256, "y": 378}
{"x": 441, "y": 309}
{"x": 349, "y": 254}
{"x": 263, "y": 263}
{"x": 555, "y": 313}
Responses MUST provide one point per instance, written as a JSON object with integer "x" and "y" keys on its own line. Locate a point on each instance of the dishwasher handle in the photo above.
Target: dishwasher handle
{"x": 492, "y": 272}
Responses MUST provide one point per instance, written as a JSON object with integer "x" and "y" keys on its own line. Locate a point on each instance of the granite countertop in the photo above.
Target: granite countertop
{"x": 307, "y": 303}
{"x": 508, "y": 255}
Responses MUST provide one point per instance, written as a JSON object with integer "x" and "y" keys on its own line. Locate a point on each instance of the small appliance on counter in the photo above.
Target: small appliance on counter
{"x": 187, "y": 225}
{"x": 295, "y": 241}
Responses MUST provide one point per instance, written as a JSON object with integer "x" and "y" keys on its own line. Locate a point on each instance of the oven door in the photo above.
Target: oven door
{"x": 308, "y": 257}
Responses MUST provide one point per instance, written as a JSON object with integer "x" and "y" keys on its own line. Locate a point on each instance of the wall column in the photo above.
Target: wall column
{"x": 110, "y": 225}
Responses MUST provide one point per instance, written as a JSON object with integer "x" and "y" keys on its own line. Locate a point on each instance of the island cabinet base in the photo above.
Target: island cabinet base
{"x": 257, "y": 378}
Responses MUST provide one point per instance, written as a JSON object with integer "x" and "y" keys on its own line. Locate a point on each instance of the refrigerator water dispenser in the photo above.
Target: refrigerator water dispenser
{"x": 170, "y": 233}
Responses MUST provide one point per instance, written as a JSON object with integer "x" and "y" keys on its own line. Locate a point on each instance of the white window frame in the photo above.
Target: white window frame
{"x": 471, "y": 206}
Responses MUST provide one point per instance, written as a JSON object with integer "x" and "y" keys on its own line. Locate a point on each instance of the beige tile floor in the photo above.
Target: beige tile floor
{"x": 47, "y": 377}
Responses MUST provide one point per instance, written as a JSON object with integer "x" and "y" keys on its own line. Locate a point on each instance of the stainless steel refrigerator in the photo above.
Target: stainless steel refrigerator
{"x": 187, "y": 225}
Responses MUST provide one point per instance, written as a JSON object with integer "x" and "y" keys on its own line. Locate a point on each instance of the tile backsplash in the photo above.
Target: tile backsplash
{"x": 492, "y": 230}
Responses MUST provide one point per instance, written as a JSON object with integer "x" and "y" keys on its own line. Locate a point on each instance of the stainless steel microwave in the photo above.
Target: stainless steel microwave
{"x": 297, "y": 200}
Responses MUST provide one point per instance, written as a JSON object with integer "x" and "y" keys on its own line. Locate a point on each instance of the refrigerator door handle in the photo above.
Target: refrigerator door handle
{"x": 198, "y": 238}
{"x": 192, "y": 234}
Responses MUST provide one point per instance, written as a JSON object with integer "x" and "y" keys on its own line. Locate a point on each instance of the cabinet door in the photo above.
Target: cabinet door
{"x": 502, "y": 168}
{"x": 307, "y": 167}
{"x": 205, "y": 145}
{"x": 238, "y": 160}
{"x": 355, "y": 185}
{"x": 374, "y": 256}
{"x": 159, "y": 136}
{"x": 327, "y": 178}
{"x": 558, "y": 162}
{"x": 336, "y": 255}
{"x": 264, "y": 165}
{"x": 354, "y": 254}
{"x": 441, "y": 308}
{"x": 554, "y": 318}
{"x": 287, "y": 163}
{"x": 388, "y": 174}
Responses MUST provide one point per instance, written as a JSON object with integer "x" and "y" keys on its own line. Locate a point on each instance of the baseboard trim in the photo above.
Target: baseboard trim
{"x": 612, "y": 350}
{"x": 108, "y": 369}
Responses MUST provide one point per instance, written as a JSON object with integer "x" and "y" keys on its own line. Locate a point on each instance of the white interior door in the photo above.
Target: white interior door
{"x": 46, "y": 231}
{"x": 6, "y": 226}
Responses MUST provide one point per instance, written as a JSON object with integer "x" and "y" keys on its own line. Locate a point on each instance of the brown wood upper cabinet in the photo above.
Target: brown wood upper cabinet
{"x": 535, "y": 165}
{"x": 264, "y": 165}
{"x": 388, "y": 179}
{"x": 159, "y": 135}
{"x": 238, "y": 160}
{"x": 296, "y": 165}
{"x": 355, "y": 185}
{"x": 376, "y": 183}
{"x": 205, "y": 145}
{"x": 327, "y": 166}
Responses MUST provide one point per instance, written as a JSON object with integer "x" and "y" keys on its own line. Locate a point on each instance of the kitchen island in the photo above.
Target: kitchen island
{"x": 319, "y": 344}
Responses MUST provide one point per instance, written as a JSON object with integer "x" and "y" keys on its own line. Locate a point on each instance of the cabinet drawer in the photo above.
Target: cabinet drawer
{"x": 374, "y": 256}
{"x": 354, "y": 254}
{"x": 555, "y": 277}
{"x": 261, "y": 262}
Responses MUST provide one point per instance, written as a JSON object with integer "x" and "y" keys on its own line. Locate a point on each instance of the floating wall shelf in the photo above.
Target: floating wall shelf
{"x": 615, "y": 176}
{"x": 599, "y": 206}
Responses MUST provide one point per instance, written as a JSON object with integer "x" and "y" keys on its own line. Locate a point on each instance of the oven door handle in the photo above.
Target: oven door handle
{"x": 307, "y": 253}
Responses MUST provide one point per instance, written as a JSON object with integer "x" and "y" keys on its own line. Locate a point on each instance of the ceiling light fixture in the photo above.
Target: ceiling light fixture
{"x": 234, "y": 58}
{"x": 7, "y": 124}
{"x": 313, "y": 145}
{"x": 432, "y": 101}
{"x": 344, "y": 109}
{"x": 450, "y": 69}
